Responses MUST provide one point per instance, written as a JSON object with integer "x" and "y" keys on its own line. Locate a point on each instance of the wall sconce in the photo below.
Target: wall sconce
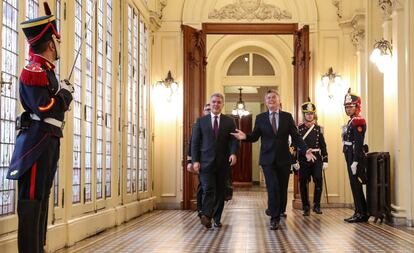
{"x": 167, "y": 87}
{"x": 331, "y": 81}
{"x": 382, "y": 55}
{"x": 240, "y": 106}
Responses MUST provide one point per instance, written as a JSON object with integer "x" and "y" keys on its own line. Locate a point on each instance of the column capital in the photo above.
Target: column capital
{"x": 156, "y": 15}
{"x": 355, "y": 27}
{"x": 338, "y": 5}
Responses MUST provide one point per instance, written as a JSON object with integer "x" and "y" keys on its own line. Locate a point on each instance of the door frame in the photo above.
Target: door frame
{"x": 301, "y": 91}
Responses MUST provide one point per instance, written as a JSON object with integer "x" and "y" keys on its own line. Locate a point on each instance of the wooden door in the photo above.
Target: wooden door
{"x": 242, "y": 171}
{"x": 301, "y": 82}
{"x": 194, "y": 99}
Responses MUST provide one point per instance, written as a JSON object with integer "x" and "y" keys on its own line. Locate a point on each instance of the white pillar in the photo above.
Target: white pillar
{"x": 372, "y": 90}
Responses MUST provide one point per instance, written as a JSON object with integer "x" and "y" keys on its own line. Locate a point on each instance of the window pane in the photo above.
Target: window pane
{"x": 261, "y": 66}
{"x": 240, "y": 66}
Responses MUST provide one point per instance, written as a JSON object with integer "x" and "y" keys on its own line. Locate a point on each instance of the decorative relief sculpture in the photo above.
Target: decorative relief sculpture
{"x": 358, "y": 33}
{"x": 338, "y": 5}
{"x": 250, "y": 9}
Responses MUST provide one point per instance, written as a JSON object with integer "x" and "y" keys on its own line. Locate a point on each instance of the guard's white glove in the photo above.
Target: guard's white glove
{"x": 354, "y": 167}
{"x": 296, "y": 166}
{"x": 325, "y": 166}
{"x": 66, "y": 85}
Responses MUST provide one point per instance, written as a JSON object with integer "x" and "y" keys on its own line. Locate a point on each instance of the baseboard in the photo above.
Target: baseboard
{"x": 242, "y": 184}
{"x": 168, "y": 206}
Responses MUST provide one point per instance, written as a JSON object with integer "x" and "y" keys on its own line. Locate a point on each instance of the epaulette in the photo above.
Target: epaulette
{"x": 358, "y": 121}
{"x": 34, "y": 75}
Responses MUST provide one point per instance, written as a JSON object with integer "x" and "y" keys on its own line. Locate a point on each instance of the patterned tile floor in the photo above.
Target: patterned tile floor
{"x": 245, "y": 229}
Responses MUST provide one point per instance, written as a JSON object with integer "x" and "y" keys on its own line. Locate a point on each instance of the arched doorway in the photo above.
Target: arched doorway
{"x": 195, "y": 62}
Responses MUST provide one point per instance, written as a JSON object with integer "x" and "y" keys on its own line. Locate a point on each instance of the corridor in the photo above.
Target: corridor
{"x": 245, "y": 229}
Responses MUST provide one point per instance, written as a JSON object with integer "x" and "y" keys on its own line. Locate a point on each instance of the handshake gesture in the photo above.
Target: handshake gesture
{"x": 66, "y": 85}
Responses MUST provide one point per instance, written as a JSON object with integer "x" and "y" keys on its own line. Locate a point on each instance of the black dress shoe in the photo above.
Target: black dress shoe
{"x": 347, "y": 219}
{"x": 218, "y": 224}
{"x": 205, "y": 221}
{"x": 358, "y": 218}
{"x": 317, "y": 209}
{"x": 283, "y": 215}
{"x": 306, "y": 212}
{"x": 274, "y": 224}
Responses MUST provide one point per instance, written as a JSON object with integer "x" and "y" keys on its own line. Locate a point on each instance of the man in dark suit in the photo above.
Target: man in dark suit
{"x": 213, "y": 149}
{"x": 206, "y": 111}
{"x": 274, "y": 128}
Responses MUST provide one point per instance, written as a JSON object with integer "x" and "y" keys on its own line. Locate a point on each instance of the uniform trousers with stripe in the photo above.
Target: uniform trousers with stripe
{"x": 33, "y": 199}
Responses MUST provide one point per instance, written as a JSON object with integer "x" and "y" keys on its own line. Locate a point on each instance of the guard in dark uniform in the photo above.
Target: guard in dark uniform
{"x": 353, "y": 140}
{"x": 36, "y": 153}
{"x": 312, "y": 134}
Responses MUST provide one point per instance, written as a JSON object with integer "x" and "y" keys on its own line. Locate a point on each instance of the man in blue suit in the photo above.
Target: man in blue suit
{"x": 213, "y": 149}
{"x": 274, "y": 128}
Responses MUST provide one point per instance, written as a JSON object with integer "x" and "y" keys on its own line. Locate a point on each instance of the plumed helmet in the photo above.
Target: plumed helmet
{"x": 40, "y": 29}
{"x": 308, "y": 107}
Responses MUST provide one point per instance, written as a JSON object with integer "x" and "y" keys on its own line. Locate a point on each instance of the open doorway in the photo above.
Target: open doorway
{"x": 195, "y": 77}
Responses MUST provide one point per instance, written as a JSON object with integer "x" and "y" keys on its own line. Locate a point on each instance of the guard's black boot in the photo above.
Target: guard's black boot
{"x": 28, "y": 212}
{"x": 43, "y": 223}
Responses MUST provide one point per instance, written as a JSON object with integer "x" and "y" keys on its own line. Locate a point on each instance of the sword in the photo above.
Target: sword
{"x": 326, "y": 187}
{"x": 86, "y": 35}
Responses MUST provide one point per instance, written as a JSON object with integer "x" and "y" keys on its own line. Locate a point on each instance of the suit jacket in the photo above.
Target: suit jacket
{"x": 210, "y": 151}
{"x": 274, "y": 148}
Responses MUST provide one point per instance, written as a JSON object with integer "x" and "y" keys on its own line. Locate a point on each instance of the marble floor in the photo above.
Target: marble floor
{"x": 245, "y": 229}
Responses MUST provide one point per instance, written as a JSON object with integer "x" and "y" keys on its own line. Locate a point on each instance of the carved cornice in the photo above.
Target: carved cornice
{"x": 386, "y": 6}
{"x": 338, "y": 5}
{"x": 250, "y": 9}
{"x": 356, "y": 29}
{"x": 156, "y": 16}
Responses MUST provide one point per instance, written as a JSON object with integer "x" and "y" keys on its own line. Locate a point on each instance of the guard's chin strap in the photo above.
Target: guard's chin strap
{"x": 56, "y": 42}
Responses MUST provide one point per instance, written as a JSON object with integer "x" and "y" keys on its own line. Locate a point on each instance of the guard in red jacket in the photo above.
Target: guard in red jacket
{"x": 36, "y": 154}
{"x": 353, "y": 140}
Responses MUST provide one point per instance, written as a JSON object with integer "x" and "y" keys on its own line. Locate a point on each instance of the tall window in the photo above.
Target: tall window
{"x": 99, "y": 100}
{"x": 8, "y": 101}
{"x": 108, "y": 99}
{"x": 88, "y": 101}
{"x": 119, "y": 107}
{"x": 93, "y": 115}
{"x": 77, "y": 105}
{"x": 137, "y": 158}
{"x": 143, "y": 165}
{"x": 132, "y": 100}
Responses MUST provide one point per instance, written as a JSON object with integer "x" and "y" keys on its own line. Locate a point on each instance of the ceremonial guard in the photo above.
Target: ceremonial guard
{"x": 312, "y": 134}
{"x": 353, "y": 140}
{"x": 44, "y": 100}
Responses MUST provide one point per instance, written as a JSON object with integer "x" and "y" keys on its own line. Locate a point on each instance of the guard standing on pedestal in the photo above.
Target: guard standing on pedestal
{"x": 36, "y": 154}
